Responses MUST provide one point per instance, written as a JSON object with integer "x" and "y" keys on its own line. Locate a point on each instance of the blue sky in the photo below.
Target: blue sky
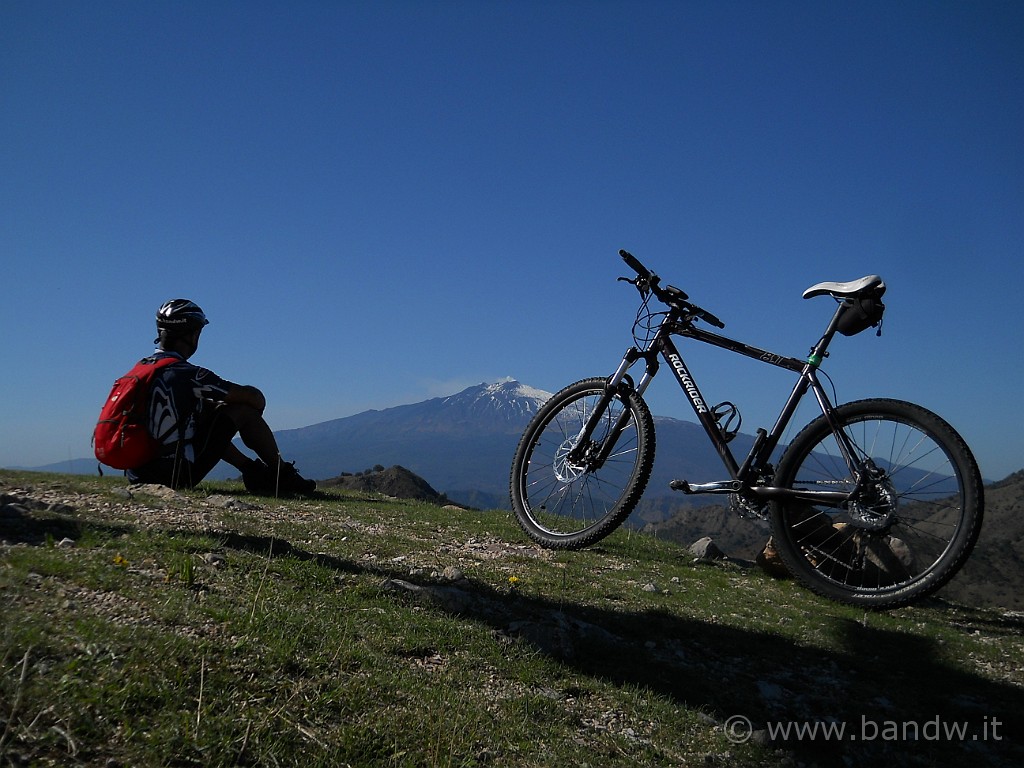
{"x": 381, "y": 202}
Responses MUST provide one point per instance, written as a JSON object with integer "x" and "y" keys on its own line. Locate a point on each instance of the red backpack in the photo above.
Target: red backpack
{"x": 121, "y": 439}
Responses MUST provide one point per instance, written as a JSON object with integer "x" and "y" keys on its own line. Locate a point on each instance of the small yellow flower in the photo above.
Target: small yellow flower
{"x": 120, "y": 562}
{"x": 513, "y": 580}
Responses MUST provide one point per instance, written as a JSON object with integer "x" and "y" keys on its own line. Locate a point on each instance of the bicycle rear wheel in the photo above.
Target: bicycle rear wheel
{"x": 565, "y": 504}
{"x": 908, "y": 532}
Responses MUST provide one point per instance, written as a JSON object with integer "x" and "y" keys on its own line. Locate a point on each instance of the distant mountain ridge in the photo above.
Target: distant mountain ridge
{"x": 994, "y": 574}
{"x": 463, "y": 445}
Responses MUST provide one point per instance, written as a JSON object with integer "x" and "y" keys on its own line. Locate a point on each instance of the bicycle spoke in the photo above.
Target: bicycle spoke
{"x": 564, "y": 490}
{"x": 910, "y": 521}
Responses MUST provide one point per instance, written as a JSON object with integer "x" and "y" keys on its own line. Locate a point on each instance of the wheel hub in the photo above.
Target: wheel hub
{"x": 565, "y": 470}
{"x": 876, "y": 508}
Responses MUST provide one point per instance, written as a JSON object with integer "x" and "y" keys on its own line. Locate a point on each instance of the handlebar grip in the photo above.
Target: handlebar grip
{"x": 712, "y": 319}
{"x": 633, "y": 263}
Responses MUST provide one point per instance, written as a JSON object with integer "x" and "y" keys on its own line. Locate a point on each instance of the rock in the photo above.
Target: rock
{"x": 451, "y": 573}
{"x": 769, "y": 561}
{"x": 160, "y": 491}
{"x": 892, "y": 556}
{"x": 885, "y": 558}
{"x": 229, "y": 502}
{"x": 706, "y": 549}
{"x": 450, "y": 598}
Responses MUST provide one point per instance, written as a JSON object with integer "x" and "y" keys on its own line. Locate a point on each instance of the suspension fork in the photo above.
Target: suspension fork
{"x": 618, "y": 384}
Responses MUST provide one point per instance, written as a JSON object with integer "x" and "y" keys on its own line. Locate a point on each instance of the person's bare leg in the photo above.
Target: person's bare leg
{"x": 236, "y": 458}
{"x": 256, "y": 435}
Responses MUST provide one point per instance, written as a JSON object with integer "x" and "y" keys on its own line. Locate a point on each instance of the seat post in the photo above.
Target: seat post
{"x": 820, "y": 350}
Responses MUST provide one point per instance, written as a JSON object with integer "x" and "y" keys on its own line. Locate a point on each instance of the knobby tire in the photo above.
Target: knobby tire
{"x": 562, "y": 505}
{"x": 910, "y": 534}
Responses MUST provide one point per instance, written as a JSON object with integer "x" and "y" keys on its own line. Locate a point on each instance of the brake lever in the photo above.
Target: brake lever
{"x": 641, "y": 284}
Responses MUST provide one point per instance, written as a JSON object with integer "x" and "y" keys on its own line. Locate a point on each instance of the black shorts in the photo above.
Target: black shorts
{"x": 213, "y": 434}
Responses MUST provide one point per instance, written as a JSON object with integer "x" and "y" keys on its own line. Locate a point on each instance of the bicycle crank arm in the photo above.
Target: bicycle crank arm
{"x": 722, "y": 486}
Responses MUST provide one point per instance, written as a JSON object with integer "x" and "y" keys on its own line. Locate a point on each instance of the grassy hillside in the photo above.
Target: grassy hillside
{"x": 215, "y": 628}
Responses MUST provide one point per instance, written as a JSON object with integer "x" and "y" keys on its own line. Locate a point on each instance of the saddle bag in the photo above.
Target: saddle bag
{"x": 860, "y": 314}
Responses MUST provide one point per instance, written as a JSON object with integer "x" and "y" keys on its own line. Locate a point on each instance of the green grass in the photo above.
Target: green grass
{"x": 187, "y": 631}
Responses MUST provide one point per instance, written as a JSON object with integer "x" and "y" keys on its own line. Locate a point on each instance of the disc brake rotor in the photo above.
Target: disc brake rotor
{"x": 876, "y": 509}
{"x": 565, "y": 470}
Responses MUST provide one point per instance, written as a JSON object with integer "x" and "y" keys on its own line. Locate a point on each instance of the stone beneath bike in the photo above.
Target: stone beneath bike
{"x": 706, "y": 549}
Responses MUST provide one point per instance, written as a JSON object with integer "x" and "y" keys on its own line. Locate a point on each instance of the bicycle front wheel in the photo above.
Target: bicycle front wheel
{"x": 911, "y": 525}
{"x": 570, "y": 502}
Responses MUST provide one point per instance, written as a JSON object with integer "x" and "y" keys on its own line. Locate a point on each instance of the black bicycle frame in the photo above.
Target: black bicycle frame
{"x": 745, "y": 477}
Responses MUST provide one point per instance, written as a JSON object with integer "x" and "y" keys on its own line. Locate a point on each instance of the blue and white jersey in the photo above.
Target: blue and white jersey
{"x": 179, "y": 392}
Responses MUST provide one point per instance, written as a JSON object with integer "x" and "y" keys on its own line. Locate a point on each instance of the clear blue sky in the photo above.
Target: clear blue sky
{"x": 381, "y": 202}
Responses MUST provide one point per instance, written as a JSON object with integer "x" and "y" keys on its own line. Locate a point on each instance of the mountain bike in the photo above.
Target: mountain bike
{"x": 875, "y": 503}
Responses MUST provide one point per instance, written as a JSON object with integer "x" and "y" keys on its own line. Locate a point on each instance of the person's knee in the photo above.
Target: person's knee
{"x": 248, "y": 395}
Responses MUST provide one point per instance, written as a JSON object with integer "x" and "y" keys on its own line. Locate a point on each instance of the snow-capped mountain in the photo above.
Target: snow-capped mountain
{"x": 507, "y": 401}
{"x": 463, "y": 444}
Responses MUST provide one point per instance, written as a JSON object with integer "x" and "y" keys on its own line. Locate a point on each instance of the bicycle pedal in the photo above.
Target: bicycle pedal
{"x": 680, "y": 485}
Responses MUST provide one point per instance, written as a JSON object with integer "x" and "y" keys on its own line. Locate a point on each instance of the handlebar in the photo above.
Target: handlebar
{"x": 634, "y": 263}
{"x": 674, "y": 297}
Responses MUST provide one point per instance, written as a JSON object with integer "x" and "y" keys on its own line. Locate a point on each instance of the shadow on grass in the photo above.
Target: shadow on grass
{"x": 896, "y": 696}
{"x": 273, "y": 546}
{"x": 22, "y": 524}
{"x": 883, "y": 696}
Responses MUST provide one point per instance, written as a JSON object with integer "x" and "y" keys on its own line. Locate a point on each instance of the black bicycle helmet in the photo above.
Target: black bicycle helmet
{"x": 180, "y": 315}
